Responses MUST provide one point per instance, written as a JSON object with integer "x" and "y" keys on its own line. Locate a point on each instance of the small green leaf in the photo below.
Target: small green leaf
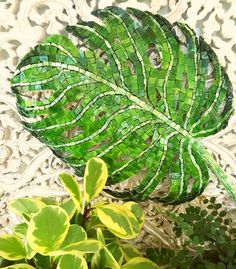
{"x": 203, "y": 213}
{"x": 227, "y": 221}
{"x": 116, "y": 252}
{"x": 19, "y": 266}
{"x": 11, "y": 247}
{"x": 72, "y": 262}
{"x": 119, "y": 220}
{"x": 105, "y": 257}
{"x": 195, "y": 240}
{"x": 220, "y": 265}
{"x": 5, "y": 262}
{"x": 72, "y": 186}
{"x": 212, "y": 200}
{"x": 26, "y": 206}
{"x": 130, "y": 252}
{"x": 187, "y": 229}
{"x": 200, "y": 250}
{"x": 210, "y": 206}
{"x": 209, "y": 218}
{"x": 98, "y": 260}
{"x": 208, "y": 266}
{"x": 20, "y": 229}
{"x": 69, "y": 206}
{"x": 218, "y": 206}
{"x": 214, "y": 213}
{"x": 139, "y": 263}
{"x": 161, "y": 256}
{"x": 75, "y": 234}
{"x": 108, "y": 236}
{"x": 223, "y": 214}
{"x": 178, "y": 231}
{"x": 48, "y": 229}
{"x": 42, "y": 262}
{"x": 95, "y": 178}
{"x": 100, "y": 236}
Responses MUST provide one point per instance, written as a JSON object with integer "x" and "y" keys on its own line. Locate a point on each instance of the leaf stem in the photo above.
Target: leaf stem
{"x": 85, "y": 214}
{"x": 217, "y": 170}
{"x": 52, "y": 264}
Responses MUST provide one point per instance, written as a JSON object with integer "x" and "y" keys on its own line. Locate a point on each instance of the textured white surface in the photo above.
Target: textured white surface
{"x": 27, "y": 167}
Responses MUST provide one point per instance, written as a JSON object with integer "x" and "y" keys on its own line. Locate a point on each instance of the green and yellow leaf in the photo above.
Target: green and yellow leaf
{"x": 73, "y": 188}
{"x": 109, "y": 236}
{"x": 20, "y": 229}
{"x": 93, "y": 221}
{"x": 30, "y": 253}
{"x": 137, "y": 211}
{"x": 75, "y": 234}
{"x": 26, "y": 206}
{"x": 116, "y": 252}
{"x": 48, "y": 201}
{"x": 100, "y": 236}
{"x": 119, "y": 220}
{"x": 104, "y": 259}
{"x": 110, "y": 254}
{"x": 11, "y": 247}
{"x": 82, "y": 247}
{"x": 69, "y": 206}
{"x": 95, "y": 178}
{"x": 48, "y": 229}
{"x": 19, "y": 266}
{"x": 130, "y": 252}
{"x": 98, "y": 203}
{"x": 72, "y": 262}
{"x": 86, "y": 246}
{"x": 105, "y": 236}
{"x": 139, "y": 263}
{"x": 98, "y": 260}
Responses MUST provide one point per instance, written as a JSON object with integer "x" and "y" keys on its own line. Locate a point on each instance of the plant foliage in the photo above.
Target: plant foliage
{"x": 138, "y": 92}
{"x": 76, "y": 233}
{"x": 209, "y": 240}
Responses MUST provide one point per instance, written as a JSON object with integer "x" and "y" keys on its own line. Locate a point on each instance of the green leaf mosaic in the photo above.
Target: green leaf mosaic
{"x": 137, "y": 92}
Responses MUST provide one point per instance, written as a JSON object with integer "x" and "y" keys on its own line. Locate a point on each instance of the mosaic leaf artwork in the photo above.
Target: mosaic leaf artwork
{"x": 137, "y": 92}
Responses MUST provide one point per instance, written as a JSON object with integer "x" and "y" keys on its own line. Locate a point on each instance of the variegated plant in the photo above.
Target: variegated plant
{"x": 135, "y": 91}
{"x": 76, "y": 233}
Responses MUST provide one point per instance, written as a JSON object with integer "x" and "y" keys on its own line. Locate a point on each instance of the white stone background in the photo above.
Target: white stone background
{"x": 28, "y": 167}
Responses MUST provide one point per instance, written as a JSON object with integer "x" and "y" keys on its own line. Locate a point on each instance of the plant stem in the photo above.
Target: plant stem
{"x": 217, "y": 170}
{"x": 85, "y": 214}
{"x": 52, "y": 264}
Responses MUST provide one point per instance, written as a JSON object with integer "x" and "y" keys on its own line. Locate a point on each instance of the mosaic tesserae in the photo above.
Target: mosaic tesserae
{"x": 134, "y": 90}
